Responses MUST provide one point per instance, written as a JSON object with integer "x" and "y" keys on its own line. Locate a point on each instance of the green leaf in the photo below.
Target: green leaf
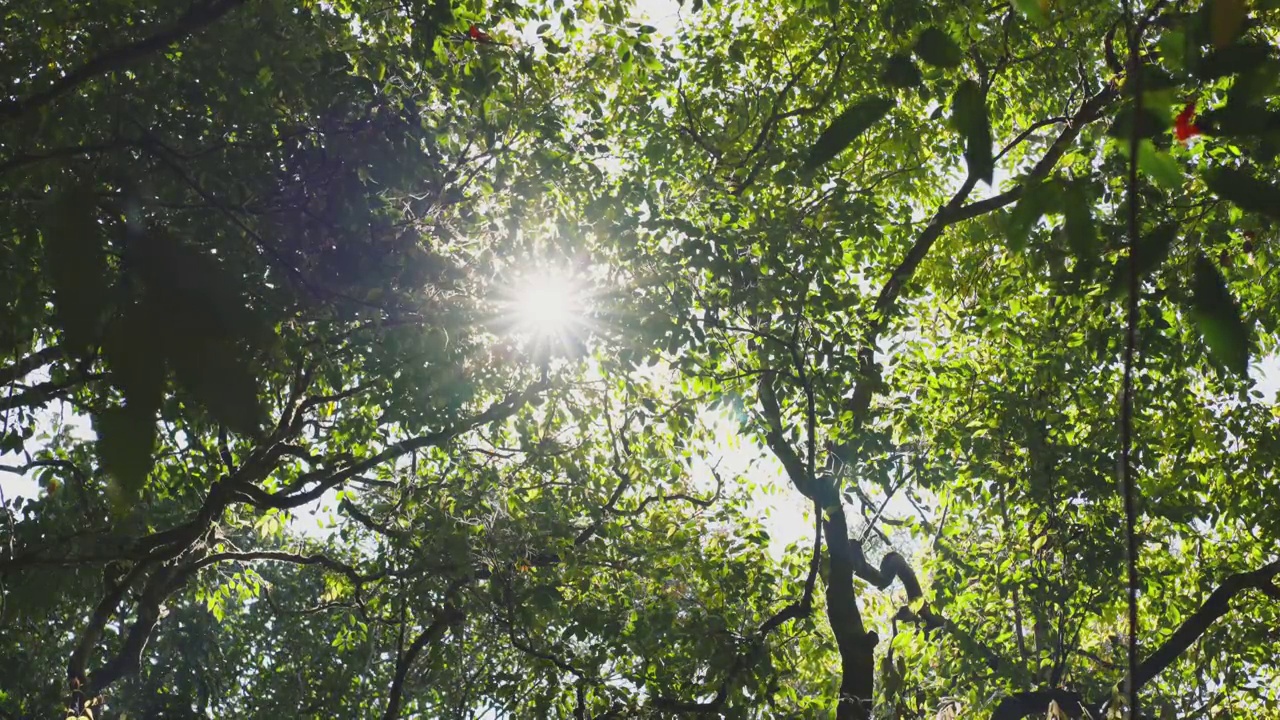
{"x": 1081, "y": 232}
{"x": 135, "y": 356}
{"x": 1032, "y": 10}
{"x": 126, "y": 444}
{"x": 216, "y": 371}
{"x": 846, "y": 128}
{"x": 76, "y": 265}
{"x": 900, "y": 71}
{"x": 1240, "y": 187}
{"x": 936, "y": 48}
{"x": 1218, "y": 317}
{"x": 1150, "y": 123}
{"x": 969, "y": 117}
{"x": 1152, "y": 250}
{"x": 1038, "y": 198}
{"x": 1160, "y": 167}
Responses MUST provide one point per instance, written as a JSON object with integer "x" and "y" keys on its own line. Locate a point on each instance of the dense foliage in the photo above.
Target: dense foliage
{"x": 263, "y": 265}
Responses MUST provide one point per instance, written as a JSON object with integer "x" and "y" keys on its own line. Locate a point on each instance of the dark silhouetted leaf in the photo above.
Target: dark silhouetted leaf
{"x": 845, "y": 129}
{"x": 1238, "y": 122}
{"x": 217, "y": 372}
{"x": 969, "y": 117}
{"x": 936, "y": 48}
{"x": 1233, "y": 60}
{"x": 126, "y": 445}
{"x": 195, "y": 285}
{"x": 1077, "y": 209}
{"x": 900, "y": 71}
{"x": 1217, "y": 315}
{"x": 1240, "y": 187}
{"x": 135, "y": 356}
{"x": 76, "y": 263}
{"x": 1152, "y": 250}
{"x": 1037, "y": 199}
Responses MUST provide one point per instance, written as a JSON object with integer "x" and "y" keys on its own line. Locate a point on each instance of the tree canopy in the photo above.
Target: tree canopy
{"x": 395, "y": 358}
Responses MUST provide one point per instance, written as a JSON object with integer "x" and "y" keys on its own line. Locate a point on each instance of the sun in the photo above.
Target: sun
{"x": 547, "y": 306}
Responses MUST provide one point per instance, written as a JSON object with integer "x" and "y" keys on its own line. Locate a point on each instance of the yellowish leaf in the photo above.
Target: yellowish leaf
{"x": 1226, "y": 19}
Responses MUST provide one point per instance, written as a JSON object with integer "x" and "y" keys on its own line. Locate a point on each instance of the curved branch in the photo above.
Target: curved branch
{"x": 1218, "y": 604}
{"x": 326, "y": 480}
{"x": 404, "y": 663}
{"x": 1214, "y": 607}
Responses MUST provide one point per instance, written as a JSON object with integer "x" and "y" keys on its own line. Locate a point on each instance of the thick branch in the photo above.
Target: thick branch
{"x": 1030, "y": 704}
{"x": 404, "y": 664}
{"x": 1215, "y": 606}
{"x": 24, "y": 366}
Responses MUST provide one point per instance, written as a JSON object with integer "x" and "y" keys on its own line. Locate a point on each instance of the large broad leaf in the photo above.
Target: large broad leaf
{"x": 1238, "y": 121}
{"x": 1152, "y": 250}
{"x": 900, "y": 71}
{"x": 1162, "y": 169}
{"x": 76, "y": 264}
{"x": 845, "y": 129}
{"x": 1234, "y": 59}
{"x": 1242, "y": 188}
{"x": 216, "y": 371}
{"x": 1217, "y": 315}
{"x": 936, "y": 48}
{"x": 135, "y": 356}
{"x": 1226, "y": 21}
{"x": 195, "y": 284}
{"x": 969, "y": 117}
{"x": 1033, "y": 10}
{"x": 1038, "y": 198}
{"x": 1082, "y": 234}
{"x": 1149, "y": 123}
{"x": 126, "y": 443}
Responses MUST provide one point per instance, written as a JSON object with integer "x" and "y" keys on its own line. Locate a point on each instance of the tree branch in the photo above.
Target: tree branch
{"x": 326, "y": 480}
{"x": 404, "y": 663}
{"x": 199, "y": 16}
